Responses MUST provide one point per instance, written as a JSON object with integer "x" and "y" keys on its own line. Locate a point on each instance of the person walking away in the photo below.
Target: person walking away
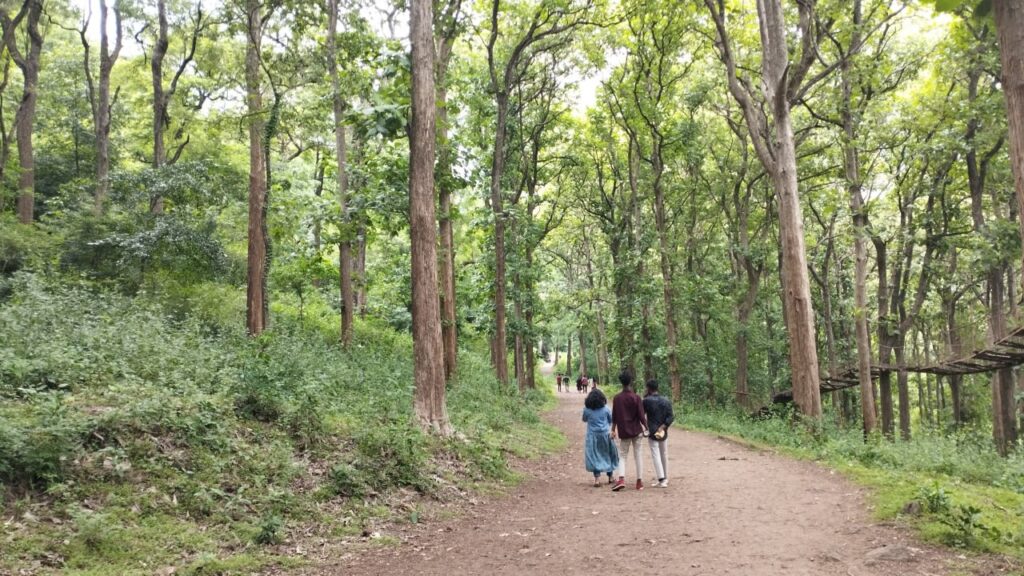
{"x": 628, "y": 424}
{"x": 659, "y": 419}
{"x": 600, "y": 454}
{"x": 558, "y": 380}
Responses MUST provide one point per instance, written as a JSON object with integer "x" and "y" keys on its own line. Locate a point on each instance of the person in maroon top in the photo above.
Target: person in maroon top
{"x": 628, "y": 424}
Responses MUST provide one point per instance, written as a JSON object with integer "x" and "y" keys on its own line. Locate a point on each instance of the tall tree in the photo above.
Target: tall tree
{"x": 1009, "y": 17}
{"x": 162, "y": 94}
{"x": 257, "y": 302}
{"x": 345, "y": 244}
{"x": 449, "y": 19}
{"x": 101, "y": 100}
{"x": 28, "y": 62}
{"x": 769, "y": 121}
{"x": 547, "y": 28}
{"x": 428, "y": 350}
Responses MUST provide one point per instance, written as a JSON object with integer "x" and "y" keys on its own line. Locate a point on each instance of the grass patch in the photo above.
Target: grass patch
{"x": 138, "y": 433}
{"x": 969, "y": 497}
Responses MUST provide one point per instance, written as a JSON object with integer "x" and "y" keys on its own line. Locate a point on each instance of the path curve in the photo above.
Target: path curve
{"x": 728, "y": 510}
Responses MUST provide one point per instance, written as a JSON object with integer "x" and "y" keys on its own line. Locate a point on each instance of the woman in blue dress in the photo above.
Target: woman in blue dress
{"x": 601, "y": 455}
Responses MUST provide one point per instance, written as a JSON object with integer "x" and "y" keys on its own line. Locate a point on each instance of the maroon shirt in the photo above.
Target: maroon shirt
{"x": 628, "y": 414}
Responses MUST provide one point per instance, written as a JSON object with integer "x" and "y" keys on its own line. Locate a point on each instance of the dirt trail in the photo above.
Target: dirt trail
{"x": 728, "y": 510}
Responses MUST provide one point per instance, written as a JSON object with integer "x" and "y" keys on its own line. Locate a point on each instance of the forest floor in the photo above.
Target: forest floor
{"x": 728, "y": 509}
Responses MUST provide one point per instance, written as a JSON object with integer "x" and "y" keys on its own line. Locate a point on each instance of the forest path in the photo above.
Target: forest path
{"x": 728, "y": 510}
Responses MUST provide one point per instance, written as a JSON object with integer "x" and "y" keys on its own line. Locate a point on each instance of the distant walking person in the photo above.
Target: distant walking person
{"x": 600, "y": 454}
{"x": 659, "y": 419}
{"x": 628, "y": 423}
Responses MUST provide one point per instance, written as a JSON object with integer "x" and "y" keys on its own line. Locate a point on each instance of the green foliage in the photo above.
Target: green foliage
{"x": 935, "y": 498}
{"x": 184, "y": 434}
{"x": 269, "y": 530}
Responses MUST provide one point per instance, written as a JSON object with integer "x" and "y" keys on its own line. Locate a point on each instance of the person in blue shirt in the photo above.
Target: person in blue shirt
{"x": 600, "y": 454}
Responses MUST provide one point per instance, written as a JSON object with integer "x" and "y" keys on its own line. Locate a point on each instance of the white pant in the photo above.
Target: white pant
{"x": 659, "y": 453}
{"x": 625, "y": 444}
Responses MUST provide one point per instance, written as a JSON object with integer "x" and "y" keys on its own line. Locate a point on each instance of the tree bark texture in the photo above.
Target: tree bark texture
{"x": 776, "y": 148}
{"x": 161, "y": 95}
{"x": 256, "y": 296}
{"x": 428, "y": 349}
{"x": 31, "y": 11}
{"x": 1009, "y": 17}
{"x": 345, "y": 244}
{"x": 102, "y": 105}
{"x": 449, "y": 323}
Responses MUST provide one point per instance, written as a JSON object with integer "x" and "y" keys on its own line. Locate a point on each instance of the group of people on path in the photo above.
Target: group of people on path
{"x": 583, "y": 383}
{"x": 630, "y": 420}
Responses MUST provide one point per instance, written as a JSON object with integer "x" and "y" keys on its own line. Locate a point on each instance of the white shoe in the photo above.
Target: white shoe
{"x": 662, "y": 484}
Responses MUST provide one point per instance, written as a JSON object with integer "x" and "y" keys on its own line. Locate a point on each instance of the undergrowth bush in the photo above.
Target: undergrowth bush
{"x": 158, "y": 408}
{"x": 966, "y": 455}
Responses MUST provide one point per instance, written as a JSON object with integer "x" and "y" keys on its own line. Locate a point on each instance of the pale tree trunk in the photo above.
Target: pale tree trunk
{"x": 31, "y": 11}
{"x": 1009, "y": 17}
{"x": 156, "y": 66}
{"x": 602, "y": 344}
{"x": 519, "y": 350}
{"x": 775, "y": 145}
{"x": 256, "y": 296}
{"x": 444, "y": 42}
{"x": 568, "y": 357}
{"x": 428, "y": 349}
{"x": 803, "y": 353}
{"x": 5, "y": 136}
{"x": 345, "y": 245}
{"x": 497, "y": 207}
{"x": 851, "y": 160}
{"x": 361, "y": 294}
{"x": 583, "y": 353}
{"x": 668, "y": 288}
{"x": 162, "y": 96}
{"x": 742, "y": 351}
{"x": 103, "y": 104}
{"x": 1004, "y": 417}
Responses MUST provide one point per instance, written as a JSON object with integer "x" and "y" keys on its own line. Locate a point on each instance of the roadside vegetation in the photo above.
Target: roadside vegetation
{"x": 951, "y": 486}
{"x": 144, "y": 432}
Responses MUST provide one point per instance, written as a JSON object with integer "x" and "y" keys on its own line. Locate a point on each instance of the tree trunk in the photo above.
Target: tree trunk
{"x": 743, "y": 317}
{"x": 156, "y": 67}
{"x": 1009, "y": 17}
{"x": 256, "y": 297}
{"x": 449, "y": 325}
{"x": 903, "y": 387}
{"x": 345, "y": 245}
{"x": 1004, "y": 405}
{"x": 668, "y": 288}
{"x": 568, "y": 357}
{"x": 863, "y": 337}
{"x": 24, "y": 118}
{"x": 518, "y": 345}
{"x": 428, "y": 350}
{"x": 583, "y": 353}
{"x": 531, "y": 349}
{"x": 497, "y": 169}
{"x": 102, "y": 106}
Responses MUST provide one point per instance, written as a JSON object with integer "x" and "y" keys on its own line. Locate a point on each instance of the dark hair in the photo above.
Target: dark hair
{"x": 652, "y": 385}
{"x": 626, "y": 378}
{"x": 595, "y": 400}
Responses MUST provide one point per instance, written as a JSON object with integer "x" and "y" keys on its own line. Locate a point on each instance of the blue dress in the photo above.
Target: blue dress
{"x": 600, "y": 454}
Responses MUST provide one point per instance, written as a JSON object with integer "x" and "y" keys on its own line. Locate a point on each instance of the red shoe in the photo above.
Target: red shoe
{"x": 639, "y": 484}
{"x": 619, "y": 485}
